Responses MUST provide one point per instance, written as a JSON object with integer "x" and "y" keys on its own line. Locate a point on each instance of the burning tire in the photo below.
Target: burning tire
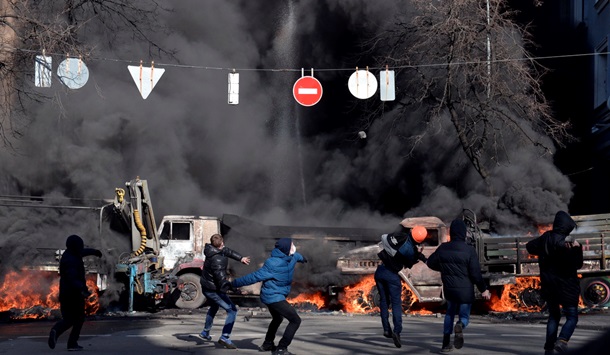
{"x": 596, "y": 292}
{"x": 531, "y": 298}
{"x": 373, "y": 299}
{"x": 191, "y": 295}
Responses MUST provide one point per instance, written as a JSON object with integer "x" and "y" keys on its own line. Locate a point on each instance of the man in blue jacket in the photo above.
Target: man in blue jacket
{"x": 460, "y": 272}
{"x": 73, "y": 292}
{"x": 276, "y": 276}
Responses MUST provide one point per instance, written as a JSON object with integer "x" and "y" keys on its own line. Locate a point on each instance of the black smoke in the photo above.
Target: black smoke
{"x": 267, "y": 159}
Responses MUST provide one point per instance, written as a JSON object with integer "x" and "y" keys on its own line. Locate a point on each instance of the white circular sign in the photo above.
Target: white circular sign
{"x": 362, "y": 84}
{"x": 73, "y": 73}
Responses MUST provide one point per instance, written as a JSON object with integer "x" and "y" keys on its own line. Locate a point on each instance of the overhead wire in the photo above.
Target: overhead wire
{"x": 406, "y": 66}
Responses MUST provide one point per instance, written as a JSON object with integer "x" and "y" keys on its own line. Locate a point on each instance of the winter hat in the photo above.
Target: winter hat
{"x": 284, "y": 245}
{"x": 74, "y": 243}
{"x": 457, "y": 231}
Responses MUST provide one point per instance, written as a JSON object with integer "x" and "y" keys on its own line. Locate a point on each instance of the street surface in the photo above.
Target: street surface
{"x": 320, "y": 333}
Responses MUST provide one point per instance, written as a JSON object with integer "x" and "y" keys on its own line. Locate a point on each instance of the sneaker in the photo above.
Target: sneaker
{"x": 267, "y": 347}
{"x": 205, "y": 335}
{"x": 458, "y": 339}
{"x": 387, "y": 334}
{"x": 226, "y": 342}
{"x": 52, "y": 339}
{"x": 447, "y": 348}
{"x": 396, "y": 338}
{"x": 561, "y": 346}
{"x": 282, "y": 351}
{"x": 75, "y": 348}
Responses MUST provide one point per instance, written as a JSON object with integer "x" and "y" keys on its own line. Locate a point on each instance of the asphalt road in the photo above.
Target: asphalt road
{"x": 320, "y": 333}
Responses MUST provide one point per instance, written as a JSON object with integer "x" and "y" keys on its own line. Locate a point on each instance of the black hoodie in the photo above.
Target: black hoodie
{"x": 459, "y": 266}
{"x": 558, "y": 263}
{"x": 72, "y": 282}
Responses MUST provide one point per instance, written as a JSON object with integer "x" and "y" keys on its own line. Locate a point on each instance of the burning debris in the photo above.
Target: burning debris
{"x": 29, "y": 294}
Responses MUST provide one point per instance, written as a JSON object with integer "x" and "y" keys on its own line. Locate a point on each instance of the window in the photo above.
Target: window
{"x": 176, "y": 231}
{"x": 601, "y": 74}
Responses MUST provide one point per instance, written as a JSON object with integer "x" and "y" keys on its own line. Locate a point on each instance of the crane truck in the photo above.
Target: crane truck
{"x": 164, "y": 263}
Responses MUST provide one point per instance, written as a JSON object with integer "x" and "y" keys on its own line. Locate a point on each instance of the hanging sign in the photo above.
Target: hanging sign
{"x": 233, "y": 89}
{"x": 307, "y": 90}
{"x": 362, "y": 84}
{"x": 387, "y": 91}
{"x": 145, "y": 77}
{"x": 42, "y": 71}
{"x": 73, "y": 73}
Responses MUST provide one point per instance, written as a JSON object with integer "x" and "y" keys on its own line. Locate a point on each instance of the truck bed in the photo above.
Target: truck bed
{"x": 502, "y": 256}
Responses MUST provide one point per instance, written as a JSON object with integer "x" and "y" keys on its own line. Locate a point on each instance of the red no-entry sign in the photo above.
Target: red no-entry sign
{"x": 307, "y": 91}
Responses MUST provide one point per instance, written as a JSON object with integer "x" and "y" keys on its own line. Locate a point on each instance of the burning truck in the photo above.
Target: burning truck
{"x": 513, "y": 274}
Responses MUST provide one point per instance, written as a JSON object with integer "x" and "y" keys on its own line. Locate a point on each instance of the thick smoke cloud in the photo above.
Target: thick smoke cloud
{"x": 267, "y": 158}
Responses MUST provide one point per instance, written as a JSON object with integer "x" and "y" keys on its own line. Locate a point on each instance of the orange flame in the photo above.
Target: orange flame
{"x": 511, "y": 297}
{"x": 27, "y": 289}
{"x": 315, "y": 299}
{"x": 354, "y": 299}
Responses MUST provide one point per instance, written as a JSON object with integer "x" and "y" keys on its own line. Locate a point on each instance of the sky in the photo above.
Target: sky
{"x": 267, "y": 158}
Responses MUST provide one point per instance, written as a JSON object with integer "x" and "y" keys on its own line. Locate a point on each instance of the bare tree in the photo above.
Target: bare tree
{"x": 467, "y": 60}
{"x": 29, "y": 27}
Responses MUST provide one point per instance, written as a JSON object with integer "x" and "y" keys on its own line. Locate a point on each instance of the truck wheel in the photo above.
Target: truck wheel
{"x": 191, "y": 295}
{"x": 531, "y": 298}
{"x": 596, "y": 291}
{"x": 372, "y": 300}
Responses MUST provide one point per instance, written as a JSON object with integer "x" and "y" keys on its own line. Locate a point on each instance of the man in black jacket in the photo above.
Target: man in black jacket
{"x": 401, "y": 249}
{"x": 215, "y": 286}
{"x": 73, "y": 292}
{"x": 460, "y": 271}
{"x": 559, "y": 258}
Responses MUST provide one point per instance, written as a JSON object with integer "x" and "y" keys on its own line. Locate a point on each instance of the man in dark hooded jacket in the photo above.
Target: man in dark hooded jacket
{"x": 460, "y": 272}
{"x": 401, "y": 249}
{"x": 215, "y": 284}
{"x": 559, "y": 258}
{"x": 73, "y": 292}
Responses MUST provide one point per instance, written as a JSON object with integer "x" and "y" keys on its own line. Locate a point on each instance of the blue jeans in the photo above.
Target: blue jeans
{"x": 463, "y": 310}
{"x": 220, "y": 300}
{"x": 389, "y": 285}
{"x": 552, "y": 326}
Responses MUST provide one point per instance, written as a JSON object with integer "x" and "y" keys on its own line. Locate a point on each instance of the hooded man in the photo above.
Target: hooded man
{"x": 73, "y": 292}
{"x": 401, "y": 249}
{"x": 276, "y": 275}
{"x": 559, "y": 258}
{"x": 460, "y": 272}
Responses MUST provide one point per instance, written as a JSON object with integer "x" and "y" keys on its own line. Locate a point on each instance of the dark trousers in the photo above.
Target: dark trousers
{"x": 389, "y": 285}
{"x": 73, "y": 316}
{"x": 552, "y": 326}
{"x": 279, "y": 311}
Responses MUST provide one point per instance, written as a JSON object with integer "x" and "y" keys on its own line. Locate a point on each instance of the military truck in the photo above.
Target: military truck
{"x": 504, "y": 261}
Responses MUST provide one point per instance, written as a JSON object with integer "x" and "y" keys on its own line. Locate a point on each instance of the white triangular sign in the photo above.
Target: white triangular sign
{"x": 145, "y": 78}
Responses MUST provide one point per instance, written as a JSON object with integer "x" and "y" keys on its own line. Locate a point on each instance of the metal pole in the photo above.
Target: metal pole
{"x": 488, "y": 53}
